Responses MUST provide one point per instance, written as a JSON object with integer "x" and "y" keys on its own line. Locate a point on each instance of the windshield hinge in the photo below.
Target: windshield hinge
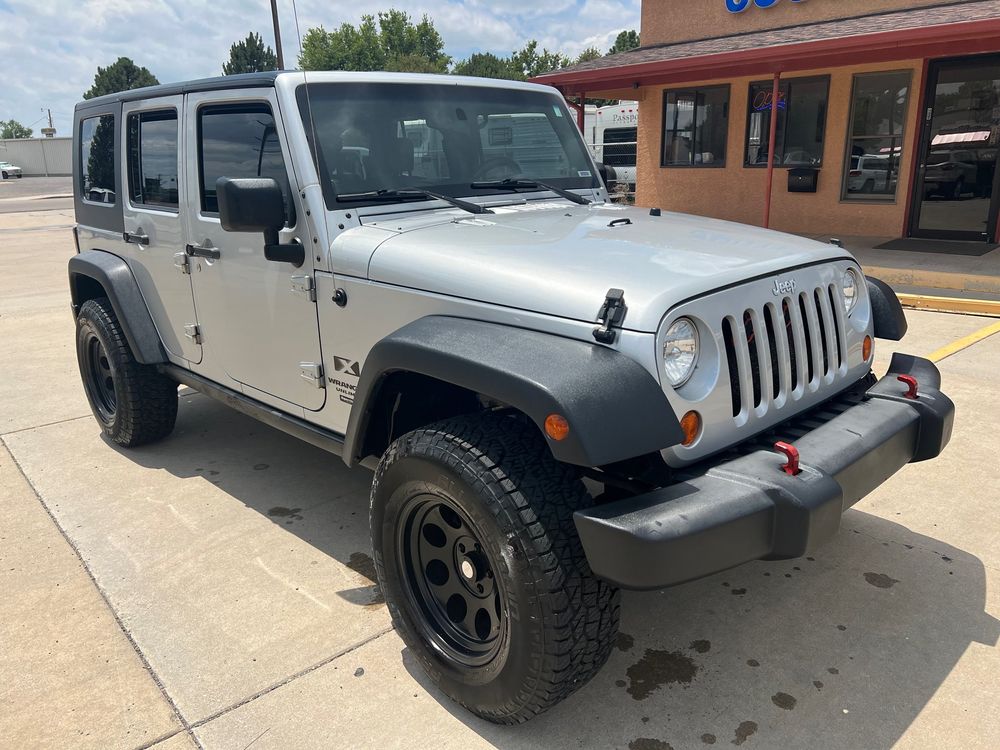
{"x": 304, "y": 285}
{"x": 182, "y": 263}
{"x": 313, "y": 372}
{"x": 193, "y": 332}
{"x": 612, "y": 314}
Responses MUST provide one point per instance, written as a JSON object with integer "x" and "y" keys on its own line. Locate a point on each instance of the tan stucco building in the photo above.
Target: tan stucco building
{"x": 888, "y": 113}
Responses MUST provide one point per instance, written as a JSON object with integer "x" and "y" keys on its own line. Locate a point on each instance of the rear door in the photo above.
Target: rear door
{"x": 257, "y": 318}
{"x": 154, "y": 229}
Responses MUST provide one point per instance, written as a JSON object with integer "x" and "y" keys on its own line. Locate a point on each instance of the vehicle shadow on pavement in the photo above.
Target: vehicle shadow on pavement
{"x": 840, "y": 649}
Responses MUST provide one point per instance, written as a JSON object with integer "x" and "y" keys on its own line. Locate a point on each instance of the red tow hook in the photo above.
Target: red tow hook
{"x": 911, "y": 385}
{"x": 792, "y": 454}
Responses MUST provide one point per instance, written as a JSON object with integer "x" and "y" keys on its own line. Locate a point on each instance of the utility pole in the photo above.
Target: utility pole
{"x": 50, "y": 131}
{"x": 277, "y": 34}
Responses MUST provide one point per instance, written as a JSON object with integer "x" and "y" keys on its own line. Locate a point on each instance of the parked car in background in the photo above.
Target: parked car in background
{"x": 951, "y": 174}
{"x": 871, "y": 174}
{"x": 8, "y": 170}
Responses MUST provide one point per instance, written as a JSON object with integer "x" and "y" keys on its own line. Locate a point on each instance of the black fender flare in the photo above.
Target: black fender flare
{"x": 887, "y": 313}
{"x": 120, "y": 287}
{"x": 615, "y": 408}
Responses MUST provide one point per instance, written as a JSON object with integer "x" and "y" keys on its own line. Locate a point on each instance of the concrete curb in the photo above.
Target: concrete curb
{"x": 963, "y": 282}
{"x": 950, "y": 304}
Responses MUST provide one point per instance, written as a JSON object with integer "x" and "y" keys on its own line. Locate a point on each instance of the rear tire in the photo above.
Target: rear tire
{"x": 134, "y": 403}
{"x": 482, "y": 569}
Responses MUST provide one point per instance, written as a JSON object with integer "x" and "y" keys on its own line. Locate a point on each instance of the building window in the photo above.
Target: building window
{"x": 152, "y": 159}
{"x": 695, "y": 127}
{"x": 240, "y": 141}
{"x": 875, "y": 140}
{"x": 97, "y": 159}
{"x": 801, "y": 122}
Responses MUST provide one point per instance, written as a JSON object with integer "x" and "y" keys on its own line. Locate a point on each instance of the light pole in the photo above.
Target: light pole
{"x": 277, "y": 34}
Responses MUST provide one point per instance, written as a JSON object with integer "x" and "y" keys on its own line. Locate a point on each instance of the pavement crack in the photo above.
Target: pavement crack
{"x": 104, "y": 597}
{"x": 301, "y": 673}
{"x": 47, "y": 424}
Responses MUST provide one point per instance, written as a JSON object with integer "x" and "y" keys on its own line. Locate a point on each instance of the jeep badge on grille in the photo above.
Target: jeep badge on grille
{"x": 783, "y": 287}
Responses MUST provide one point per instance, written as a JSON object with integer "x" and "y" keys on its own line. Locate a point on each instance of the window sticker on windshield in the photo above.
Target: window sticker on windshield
{"x": 557, "y": 109}
{"x": 583, "y": 173}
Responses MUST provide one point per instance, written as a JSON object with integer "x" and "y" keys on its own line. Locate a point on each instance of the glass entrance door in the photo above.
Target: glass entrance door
{"x": 954, "y": 193}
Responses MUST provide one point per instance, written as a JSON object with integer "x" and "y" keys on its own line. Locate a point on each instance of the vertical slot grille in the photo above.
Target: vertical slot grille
{"x": 776, "y": 355}
{"x": 729, "y": 339}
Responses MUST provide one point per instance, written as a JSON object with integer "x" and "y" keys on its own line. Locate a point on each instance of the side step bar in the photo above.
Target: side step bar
{"x": 310, "y": 433}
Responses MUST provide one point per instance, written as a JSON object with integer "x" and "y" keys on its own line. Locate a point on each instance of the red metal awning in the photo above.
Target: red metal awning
{"x": 956, "y": 29}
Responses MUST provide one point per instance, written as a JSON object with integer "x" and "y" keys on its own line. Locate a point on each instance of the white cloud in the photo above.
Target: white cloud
{"x": 51, "y": 48}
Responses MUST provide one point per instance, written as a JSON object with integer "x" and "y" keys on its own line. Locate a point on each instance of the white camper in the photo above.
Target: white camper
{"x": 610, "y": 133}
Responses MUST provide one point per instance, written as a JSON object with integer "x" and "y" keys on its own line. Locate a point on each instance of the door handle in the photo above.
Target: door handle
{"x": 203, "y": 251}
{"x": 136, "y": 238}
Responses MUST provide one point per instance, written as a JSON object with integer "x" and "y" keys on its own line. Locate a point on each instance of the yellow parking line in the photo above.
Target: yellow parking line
{"x": 964, "y": 343}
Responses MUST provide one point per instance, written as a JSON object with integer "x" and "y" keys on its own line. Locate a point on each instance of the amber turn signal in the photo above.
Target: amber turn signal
{"x": 691, "y": 425}
{"x": 866, "y": 348}
{"x": 556, "y": 427}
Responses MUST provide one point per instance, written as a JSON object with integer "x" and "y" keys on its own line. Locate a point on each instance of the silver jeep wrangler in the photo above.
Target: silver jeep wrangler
{"x": 560, "y": 397}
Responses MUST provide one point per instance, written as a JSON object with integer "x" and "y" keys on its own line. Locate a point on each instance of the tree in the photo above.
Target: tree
{"x": 14, "y": 129}
{"x": 486, "y": 65}
{"x": 591, "y": 53}
{"x": 250, "y": 56}
{"x": 390, "y": 41}
{"x": 625, "y": 41}
{"x": 530, "y": 62}
{"x": 121, "y": 75}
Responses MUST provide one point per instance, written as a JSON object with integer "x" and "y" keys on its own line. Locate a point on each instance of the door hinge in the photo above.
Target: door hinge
{"x": 193, "y": 332}
{"x": 313, "y": 372}
{"x": 181, "y": 262}
{"x": 304, "y": 284}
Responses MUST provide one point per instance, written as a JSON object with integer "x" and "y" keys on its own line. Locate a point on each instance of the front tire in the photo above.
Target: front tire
{"x": 134, "y": 403}
{"x": 482, "y": 569}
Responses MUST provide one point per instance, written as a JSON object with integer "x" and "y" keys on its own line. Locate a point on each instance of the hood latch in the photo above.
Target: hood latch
{"x": 612, "y": 314}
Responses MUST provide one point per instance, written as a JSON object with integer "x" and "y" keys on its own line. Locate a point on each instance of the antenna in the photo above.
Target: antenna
{"x": 277, "y": 34}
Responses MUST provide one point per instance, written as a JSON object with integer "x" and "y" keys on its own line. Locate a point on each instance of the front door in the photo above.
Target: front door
{"x": 955, "y": 195}
{"x": 257, "y": 318}
{"x": 154, "y": 230}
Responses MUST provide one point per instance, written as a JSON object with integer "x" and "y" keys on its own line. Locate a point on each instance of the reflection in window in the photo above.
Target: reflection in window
{"x": 801, "y": 126}
{"x": 152, "y": 159}
{"x": 875, "y": 143}
{"x": 97, "y": 159}
{"x": 240, "y": 141}
{"x": 695, "y": 127}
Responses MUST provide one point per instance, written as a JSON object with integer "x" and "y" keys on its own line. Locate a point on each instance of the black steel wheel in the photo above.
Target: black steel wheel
{"x": 449, "y": 578}
{"x": 133, "y": 402}
{"x": 481, "y": 567}
{"x": 99, "y": 379}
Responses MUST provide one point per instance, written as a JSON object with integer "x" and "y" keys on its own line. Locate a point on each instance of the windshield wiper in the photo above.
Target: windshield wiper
{"x": 514, "y": 184}
{"x": 420, "y": 194}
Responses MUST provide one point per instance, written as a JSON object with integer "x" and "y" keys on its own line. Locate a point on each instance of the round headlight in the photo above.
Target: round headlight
{"x": 849, "y": 288}
{"x": 680, "y": 351}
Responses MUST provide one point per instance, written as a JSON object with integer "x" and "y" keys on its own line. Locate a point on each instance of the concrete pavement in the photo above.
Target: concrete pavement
{"x": 215, "y": 590}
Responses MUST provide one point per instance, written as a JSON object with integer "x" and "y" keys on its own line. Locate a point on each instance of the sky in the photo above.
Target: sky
{"x": 51, "y": 48}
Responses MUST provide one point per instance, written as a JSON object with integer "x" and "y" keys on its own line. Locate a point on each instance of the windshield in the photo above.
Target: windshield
{"x": 403, "y": 136}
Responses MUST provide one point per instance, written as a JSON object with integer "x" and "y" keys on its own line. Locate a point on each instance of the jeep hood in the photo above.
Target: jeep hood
{"x": 560, "y": 259}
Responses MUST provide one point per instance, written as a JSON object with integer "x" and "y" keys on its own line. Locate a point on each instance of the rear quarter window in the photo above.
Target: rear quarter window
{"x": 97, "y": 159}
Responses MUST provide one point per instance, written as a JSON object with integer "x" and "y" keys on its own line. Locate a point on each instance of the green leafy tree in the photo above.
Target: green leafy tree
{"x": 625, "y": 41}
{"x": 14, "y": 129}
{"x": 591, "y": 53}
{"x": 250, "y": 56}
{"x": 101, "y": 164}
{"x": 121, "y": 75}
{"x": 390, "y": 41}
{"x": 487, "y": 65}
{"x": 530, "y": 62}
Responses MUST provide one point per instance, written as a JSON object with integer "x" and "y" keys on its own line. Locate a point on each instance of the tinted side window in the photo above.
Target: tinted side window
{"x": 239, "y": 141}
{"x": 97, "y": 159}
{"x": 152, "y": 158}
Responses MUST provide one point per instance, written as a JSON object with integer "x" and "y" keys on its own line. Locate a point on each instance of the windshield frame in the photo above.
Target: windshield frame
{"x": 306, "y": 95}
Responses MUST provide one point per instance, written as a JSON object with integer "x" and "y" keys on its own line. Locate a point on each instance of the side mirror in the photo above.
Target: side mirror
{"x": 256, "y": 204}
{"x": 608, "y": 174}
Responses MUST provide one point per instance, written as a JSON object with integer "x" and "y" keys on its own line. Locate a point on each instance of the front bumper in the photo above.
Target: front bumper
{"x": 749, "y": 509}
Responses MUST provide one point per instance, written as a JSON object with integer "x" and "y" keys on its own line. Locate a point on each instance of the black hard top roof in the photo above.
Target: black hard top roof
{"x": 239, "y": 81}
